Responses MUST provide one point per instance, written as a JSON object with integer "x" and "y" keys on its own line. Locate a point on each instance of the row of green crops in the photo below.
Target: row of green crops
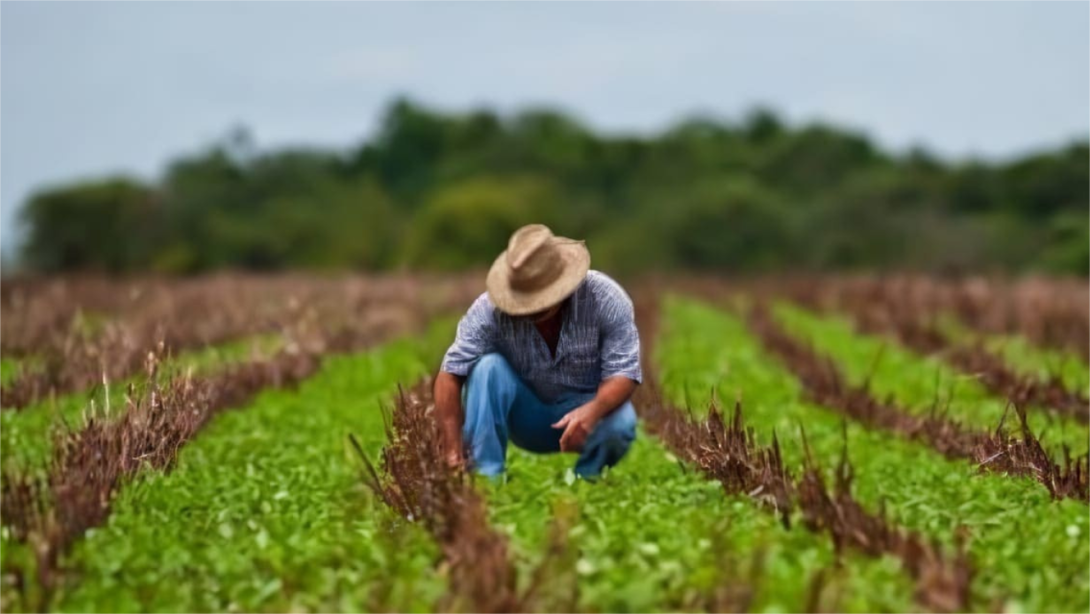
{"x": 1028, "y": 359}
{"x": 25, "y": 433}
{"x": 656, "y": 536}
{"x": 265, "y": 509}
{"x": 1024, "y": 356}
{"x": 915, "y": 382}
{"x": 1031, "y": 552}
{"x": 215, "y": 534}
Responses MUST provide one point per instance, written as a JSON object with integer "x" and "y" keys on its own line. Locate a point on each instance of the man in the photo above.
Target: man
{"x": 548, "y": 357}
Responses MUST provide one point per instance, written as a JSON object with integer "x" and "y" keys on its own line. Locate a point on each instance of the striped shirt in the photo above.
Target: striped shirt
{"x": 598, "y": 340}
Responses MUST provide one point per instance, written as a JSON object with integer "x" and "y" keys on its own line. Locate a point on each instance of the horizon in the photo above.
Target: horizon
{"x": 945, "y": 78}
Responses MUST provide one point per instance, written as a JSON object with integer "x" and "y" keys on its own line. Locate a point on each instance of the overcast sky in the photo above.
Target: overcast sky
{"x": 91, "y": 88}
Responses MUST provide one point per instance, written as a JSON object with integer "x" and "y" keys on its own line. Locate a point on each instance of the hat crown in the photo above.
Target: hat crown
{"x": 533, "y": 259}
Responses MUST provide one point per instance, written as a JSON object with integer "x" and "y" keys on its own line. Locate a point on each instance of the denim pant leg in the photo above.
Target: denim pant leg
{"x": 499, "y": 406}
{"x": 530, "y": 427}
{"x": 608, "y": 443}
{"x": 492, "y": 391}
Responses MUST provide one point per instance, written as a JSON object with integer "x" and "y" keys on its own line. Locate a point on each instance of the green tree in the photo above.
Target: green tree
{"x": 436, "y": 189}
{"x": 1067, "y": 249}
{"x": 109, "y": 225}
{"x": 730, "y": 225}
{"x": 468, "y": 224}
{"x": 339, "y": 225}
{"x": 1040, "y": 185}
{"x": 223, "y": 204}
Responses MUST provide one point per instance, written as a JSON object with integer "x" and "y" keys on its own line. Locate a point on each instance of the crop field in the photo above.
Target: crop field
{"x": 265, "y": 443}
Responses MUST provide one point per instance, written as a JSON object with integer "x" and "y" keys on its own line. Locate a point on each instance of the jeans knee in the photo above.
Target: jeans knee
{"x": 619, "y": 429}
{"x": 489, "y": 366}
{"x": 492, "y": 378}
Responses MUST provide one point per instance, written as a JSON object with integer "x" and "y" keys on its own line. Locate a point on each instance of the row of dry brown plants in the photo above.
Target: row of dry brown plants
{"x": 414, "y": 481}
{"x": 346, "y": 314}
{"x": 724, "y": 449}
{"x": 910, "y": 309}
{"x": 1050, "y": 313}
{"x": 91, "y": 461}
{"x": 78, "y": 332}
{"x": 1005, "y": 451}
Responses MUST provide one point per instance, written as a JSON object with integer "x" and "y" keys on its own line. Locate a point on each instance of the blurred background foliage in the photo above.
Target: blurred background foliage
{"x": 441, "y": 191}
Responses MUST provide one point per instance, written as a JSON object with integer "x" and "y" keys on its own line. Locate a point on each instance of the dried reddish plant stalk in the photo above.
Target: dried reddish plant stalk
{"x": 46, "y": 318}
{"x": 907, "y": 310}
{"x": 725, "y": 451}
{"x": 1049, "y": 312}
{"x": 419, "y": 485}
{"x": 993, "y": 451}
{"x": 942, "y": 584}
{"x": 728, "y": 452}
{"x": 90, "y": 463}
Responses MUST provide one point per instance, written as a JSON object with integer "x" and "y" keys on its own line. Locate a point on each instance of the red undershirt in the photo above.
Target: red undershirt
{"x": 550, "y": 331}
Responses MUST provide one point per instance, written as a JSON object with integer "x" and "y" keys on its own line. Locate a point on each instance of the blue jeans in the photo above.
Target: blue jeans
{"x": 499, "y": 406}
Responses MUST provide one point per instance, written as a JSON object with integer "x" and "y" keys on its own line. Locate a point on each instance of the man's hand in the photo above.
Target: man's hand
{"x": 578, "y": 425}
{"x": 455, "y": 460}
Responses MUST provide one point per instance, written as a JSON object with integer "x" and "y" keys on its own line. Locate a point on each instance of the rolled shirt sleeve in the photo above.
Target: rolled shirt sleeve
{"x": 476, "y": 337}
{"x": 619, "y": 339}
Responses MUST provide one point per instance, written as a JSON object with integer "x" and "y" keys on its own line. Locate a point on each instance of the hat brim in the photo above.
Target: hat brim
{"x": 576, "y": 260}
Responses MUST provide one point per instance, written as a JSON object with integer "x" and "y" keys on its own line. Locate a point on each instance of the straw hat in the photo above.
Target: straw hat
{"x": 537, "y": 271}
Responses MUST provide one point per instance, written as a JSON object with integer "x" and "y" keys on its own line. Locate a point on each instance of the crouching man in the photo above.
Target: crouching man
{"x": 547, "y": 358}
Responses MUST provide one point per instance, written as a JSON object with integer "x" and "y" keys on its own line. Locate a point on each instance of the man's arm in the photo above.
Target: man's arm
{"x": 475, "y": 338}
{"x": 448, "y": 410}
{"x": 580, "y": 422}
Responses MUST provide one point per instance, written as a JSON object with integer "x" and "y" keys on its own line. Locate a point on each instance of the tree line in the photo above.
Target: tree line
{"x": 441, "y": 191}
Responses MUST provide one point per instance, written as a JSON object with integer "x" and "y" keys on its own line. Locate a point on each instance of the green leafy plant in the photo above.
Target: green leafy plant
{"x": 265, "y": 510}
{"x": 654, "y": 535}
{"x": 1030, "y": 551}
{"x": 919, "y": 383}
